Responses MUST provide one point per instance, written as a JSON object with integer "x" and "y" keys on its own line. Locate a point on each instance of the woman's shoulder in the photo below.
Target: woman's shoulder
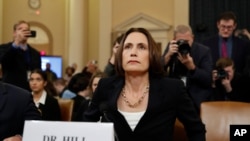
{"x": 112, "y": 79}
{"x": 170, "y": 80}
{"x": 51, "y": 98}
{"x": 111, "y": 82}
{"x": 166, "y": 82}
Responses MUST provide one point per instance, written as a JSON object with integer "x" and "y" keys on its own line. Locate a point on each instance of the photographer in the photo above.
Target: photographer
{"x": 228, "y": 84}
{"x": 190, "y": 61}
{"x": 18, "y": 58}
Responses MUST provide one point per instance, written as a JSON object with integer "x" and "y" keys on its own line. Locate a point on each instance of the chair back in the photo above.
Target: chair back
{"x": 179, "y": 132}
{"x": 219, "y": 115}
{"x": 66, "y": 106}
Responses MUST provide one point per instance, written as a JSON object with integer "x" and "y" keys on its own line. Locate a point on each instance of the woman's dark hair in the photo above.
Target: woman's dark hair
{"x": 41, "y": 73}
{"x": 155, "y": 66}
{"x": 78, "y": 82}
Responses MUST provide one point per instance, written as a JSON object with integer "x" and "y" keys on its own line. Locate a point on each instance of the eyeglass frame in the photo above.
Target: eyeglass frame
{"x": 228, "y": 27}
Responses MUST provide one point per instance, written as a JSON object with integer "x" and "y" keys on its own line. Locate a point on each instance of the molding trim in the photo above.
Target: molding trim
{"x": 144, "y": 20}
{"x": 158, "y": 29}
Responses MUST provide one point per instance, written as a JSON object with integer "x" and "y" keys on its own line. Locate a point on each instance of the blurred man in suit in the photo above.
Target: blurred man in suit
{"x": 225, "y": 44}
{"x": 16, "y": 106}
{"x": 18, "y": 58}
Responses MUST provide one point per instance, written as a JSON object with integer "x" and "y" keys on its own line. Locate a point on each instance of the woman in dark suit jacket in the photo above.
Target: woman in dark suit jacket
{"x": 46, "y": 103}
{"x": 142, "y": 104}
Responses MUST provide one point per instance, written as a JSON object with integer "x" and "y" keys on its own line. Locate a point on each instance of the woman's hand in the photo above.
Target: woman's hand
{"x": 14, "y": 138}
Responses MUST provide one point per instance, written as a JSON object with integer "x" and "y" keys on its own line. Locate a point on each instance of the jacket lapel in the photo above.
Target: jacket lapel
{"x": 154, "y": 97}
{"x": 116, "y": 92}
{"x": 154, "y": 100}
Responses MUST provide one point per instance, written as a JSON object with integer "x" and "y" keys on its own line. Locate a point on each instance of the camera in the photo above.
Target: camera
{"x": 221, "y": 74}
{"x": 183, "y": 47}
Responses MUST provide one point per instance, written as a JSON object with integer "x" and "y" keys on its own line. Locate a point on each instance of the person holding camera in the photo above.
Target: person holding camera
{"x": 18, "y": 58}
{"x": 191, "y": 62}
{"x": 228, "y": 84}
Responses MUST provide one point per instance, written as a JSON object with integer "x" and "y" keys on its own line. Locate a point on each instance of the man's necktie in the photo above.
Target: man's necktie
{"x": 224, "y": 48}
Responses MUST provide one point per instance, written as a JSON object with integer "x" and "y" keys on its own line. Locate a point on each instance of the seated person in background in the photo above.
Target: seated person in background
{"x": 229, "y": 84}
{"x": 140, "y": 102}
{"x": 90, "y": 68}
{"x": 81, "y": 107}
{"x": 77, "y": 90}
{"x": 110, "y": 67}
{"x": 60, "y": 85}
{"x": 74, "y": 66}
{"x": 69, "y": 72}
{"x": 16, "y": 106}
{"x": 76, "y": 84}
{"x": 95, "y": 80}
{"x": 46, "y": 103}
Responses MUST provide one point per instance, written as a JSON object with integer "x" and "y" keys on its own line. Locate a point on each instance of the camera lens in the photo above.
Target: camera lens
{"x": 183, "y": 47}
{"x": 221, "y": 74}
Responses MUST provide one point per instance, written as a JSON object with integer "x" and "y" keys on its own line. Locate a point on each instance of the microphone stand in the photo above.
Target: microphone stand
{"x": 104, "y": 111}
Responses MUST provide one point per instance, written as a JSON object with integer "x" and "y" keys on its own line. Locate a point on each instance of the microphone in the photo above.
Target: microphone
{"x": 104, "y": 109}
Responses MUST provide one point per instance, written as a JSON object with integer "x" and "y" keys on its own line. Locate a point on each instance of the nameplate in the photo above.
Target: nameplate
{"x": 67, "y": 131}
{"x": 239, "y": 132}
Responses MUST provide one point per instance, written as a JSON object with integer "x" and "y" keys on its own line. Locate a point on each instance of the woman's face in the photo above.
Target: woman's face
{"x": 135, "y": 56}
{"x": 95, "y": 83}
{"x": 36, "y": 82}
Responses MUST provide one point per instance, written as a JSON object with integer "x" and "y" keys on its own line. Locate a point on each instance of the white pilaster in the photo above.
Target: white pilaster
{"x": 76, "y": 49}
{"x": 1, "y": 21}
{"x": 181, "y": 12}
{"x": 105, "y": 32}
